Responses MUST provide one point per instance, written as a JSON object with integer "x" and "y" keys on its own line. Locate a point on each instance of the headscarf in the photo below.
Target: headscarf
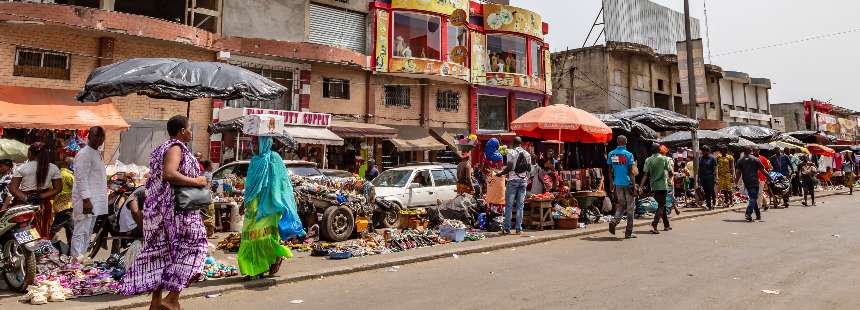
{"x": 491, "y": 150}
{"x": 269, "y": 182}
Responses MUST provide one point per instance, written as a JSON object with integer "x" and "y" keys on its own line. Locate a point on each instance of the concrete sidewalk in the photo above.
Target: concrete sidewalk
{"x": 304, "y": 267}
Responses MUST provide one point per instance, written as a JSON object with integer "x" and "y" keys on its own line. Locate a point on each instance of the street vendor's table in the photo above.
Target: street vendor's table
{"x": 538, "y": 214}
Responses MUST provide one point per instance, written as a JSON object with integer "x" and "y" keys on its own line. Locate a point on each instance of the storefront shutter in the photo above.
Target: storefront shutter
{"x": 337, "y": 27}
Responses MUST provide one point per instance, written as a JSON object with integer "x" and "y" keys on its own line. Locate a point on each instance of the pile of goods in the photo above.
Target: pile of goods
{"x": 59, "y": 278}
{"x": 389, "y": 241}
{"x": 212, "y": 269}
{"x": 348, "y": 192}
{"x": 544, "y": 196}
{"x": 230, "y": 243}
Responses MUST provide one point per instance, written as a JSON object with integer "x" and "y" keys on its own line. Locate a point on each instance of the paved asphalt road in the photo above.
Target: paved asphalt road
{"x": 810, "y": 255}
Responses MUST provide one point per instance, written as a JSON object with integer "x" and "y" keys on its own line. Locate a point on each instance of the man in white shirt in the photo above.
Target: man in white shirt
{"x": 89, "y": 196}
{"x": 518, "y": 169}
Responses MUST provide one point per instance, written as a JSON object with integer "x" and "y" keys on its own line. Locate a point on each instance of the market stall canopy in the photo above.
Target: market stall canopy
{"x": 706, "y": 137}
{"x": 43, "y": 108}
{"x": 562, "y": 122}
{"x": 628, "y": 127}
{"x": 789, "y": 139}
{"x": 818, "y": 149}
{"x": 448, "y": 136}
{"x": 757, "y": 134}
{"x": 313, "y": 135}
{"x": 414, "y": 138}
{"x": 178, "y": 79}
{"x": 807, "y": 136}
{"x": 743, "y": 144}
{"x": 362, "y": 130}
{"x": 658, "y": 119}
{"x": 13, "y": 150}
{"x": 786, "y": 146}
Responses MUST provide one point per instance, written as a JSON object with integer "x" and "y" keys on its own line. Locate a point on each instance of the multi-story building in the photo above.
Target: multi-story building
{"x": 637, "y": 66}
{"x": 814, "y": 115}
{"x": 390, "y": 78}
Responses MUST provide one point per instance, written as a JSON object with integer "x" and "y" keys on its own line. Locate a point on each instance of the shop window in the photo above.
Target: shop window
{"x": 536, "y": 60}
{"x": 41, "y": 64}
{"x": 397, "y": 96}
{"x": 335, "y": 88}
{"x": 492, "y": 113}
{"x": 447, "y": 101}
{"x": 507, "y": 53}
{"x": 457, "y": 36}
{"x": 522, "y": 106}
{"x": 417, "y": 36}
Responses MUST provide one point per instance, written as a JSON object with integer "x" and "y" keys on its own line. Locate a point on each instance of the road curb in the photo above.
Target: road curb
{"x": 195, "y": 292}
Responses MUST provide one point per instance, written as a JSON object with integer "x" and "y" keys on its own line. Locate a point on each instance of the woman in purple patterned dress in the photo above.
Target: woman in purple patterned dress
{"x": 174, "y": 245}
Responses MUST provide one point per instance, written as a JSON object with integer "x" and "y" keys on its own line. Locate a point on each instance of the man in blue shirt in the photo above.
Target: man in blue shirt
{"x": 782, "y": 164}
{"x": 621, "y": 165}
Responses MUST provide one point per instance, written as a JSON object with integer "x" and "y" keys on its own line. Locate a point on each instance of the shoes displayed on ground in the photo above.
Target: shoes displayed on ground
{"x": 47, "y": 291}
{"x": 612, "y": 226}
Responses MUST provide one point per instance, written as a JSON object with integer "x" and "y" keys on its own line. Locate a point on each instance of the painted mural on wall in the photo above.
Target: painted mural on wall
{"x": 383, "y": 19}
{"x": 445, "y": 7}
{"x": 512, "y": 19}
{"x": 427, "y": 66}
{"x": 547, "y": 65}
{"x": 479, "y": 58}
{"x": 515, "y": 80}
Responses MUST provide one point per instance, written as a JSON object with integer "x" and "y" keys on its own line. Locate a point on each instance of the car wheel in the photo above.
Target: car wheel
{"x": 389, "y": 218}
{"x": 338, "y": 223}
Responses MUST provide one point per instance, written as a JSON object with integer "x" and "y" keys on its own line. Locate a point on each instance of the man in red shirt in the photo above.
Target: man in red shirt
{"x": 762, "y": 179}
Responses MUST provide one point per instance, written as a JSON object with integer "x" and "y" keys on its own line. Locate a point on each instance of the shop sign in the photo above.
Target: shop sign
{"x": 445, "y": 7}
{"x": 479, "y": 58}
{"x": 515, "y": 80}
{"x": 459, "y": 54}
{"x": 505, "y": 18}
{"x": 459, "y": 18}
{"x": 749, "y": 115}
{"x": 547, "y": 59}
{"x": 827, "y": 123}
{"x": 382, "y": 25}
{"x": 291, "y": 118}
{"x": 427, "y": 66}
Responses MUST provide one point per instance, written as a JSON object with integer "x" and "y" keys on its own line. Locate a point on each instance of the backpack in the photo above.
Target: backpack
{"x": 522, "y": 166}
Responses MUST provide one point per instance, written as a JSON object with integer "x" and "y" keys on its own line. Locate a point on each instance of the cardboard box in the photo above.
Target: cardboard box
{"x": 263, "y": 125}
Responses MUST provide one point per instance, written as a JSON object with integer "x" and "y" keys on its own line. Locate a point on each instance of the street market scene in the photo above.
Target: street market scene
{"x": 456, "y": 154}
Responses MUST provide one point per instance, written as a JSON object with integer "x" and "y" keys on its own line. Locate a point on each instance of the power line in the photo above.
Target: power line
{"x": 786, "y": 43}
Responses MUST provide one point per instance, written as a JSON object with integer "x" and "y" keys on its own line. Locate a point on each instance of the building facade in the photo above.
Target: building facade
{"x": 815, "y": 115}
{"x": 395, "y": 79}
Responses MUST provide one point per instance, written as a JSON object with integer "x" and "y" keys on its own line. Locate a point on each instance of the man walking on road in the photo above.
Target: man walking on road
{"x": 708, "y": 176}
{"x": 518, "y": 168}
{"x": 782, "y": 164}
{"x": 621, "y": 180}
{"x": 749, "y": 167}
{"x": 658, "y": 171}
{"x": 89, "y": 195}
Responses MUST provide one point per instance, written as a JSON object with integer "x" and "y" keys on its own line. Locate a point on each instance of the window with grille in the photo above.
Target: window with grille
{"x": 447, "y": 101}
{"x": 41, "y": 64}
{"x": 397, "y": 96}
{"x": 335, "y": 88}
{"x": 283, "y": 76}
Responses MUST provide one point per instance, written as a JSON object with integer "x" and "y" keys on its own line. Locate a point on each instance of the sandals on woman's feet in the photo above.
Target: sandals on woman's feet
{"x": 276, "y": 266}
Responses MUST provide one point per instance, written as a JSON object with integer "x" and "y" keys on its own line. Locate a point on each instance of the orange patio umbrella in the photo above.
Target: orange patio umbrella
{"x": 563, "y": 123}
{"x": 819, "y": 149}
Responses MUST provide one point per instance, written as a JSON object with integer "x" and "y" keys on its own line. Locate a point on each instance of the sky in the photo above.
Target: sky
{"x": 824, "y": 69}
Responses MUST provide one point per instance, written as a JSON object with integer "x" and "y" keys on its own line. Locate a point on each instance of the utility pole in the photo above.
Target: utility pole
{"x": 691, "y": 88}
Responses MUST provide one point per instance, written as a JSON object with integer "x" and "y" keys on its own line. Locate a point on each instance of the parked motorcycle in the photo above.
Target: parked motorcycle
{"x": 107, "y": 226}
{"x": 17, "y": 243}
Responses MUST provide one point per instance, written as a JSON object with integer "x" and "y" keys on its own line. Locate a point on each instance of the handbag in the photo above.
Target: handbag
{"x": 192, "y": 198}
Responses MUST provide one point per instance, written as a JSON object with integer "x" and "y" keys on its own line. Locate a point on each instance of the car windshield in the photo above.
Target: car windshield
{"x": 304, "y": 171}
{"x": 392, "y": 178}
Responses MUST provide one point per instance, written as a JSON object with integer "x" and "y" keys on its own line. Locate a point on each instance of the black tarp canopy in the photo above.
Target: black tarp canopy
{"x": 817, "y": 137}
{"x": 178, "y": 79}
{"x": 658, "y": 119}
{"x": 757, "y": 134}
{"x": 629, "y": 128}
{"x": 706, "y": 137}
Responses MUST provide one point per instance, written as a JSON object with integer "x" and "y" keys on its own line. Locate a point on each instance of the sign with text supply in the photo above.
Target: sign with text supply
{"x": 698, "y": 71}
{"x": 263, "y": 125}
{"x": 445, "y": 7}
{"x": 506, "y": 18}
{"x": 291, "y": 118}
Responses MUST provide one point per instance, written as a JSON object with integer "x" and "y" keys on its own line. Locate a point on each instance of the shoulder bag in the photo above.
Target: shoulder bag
{"x": 189, "y": 198}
